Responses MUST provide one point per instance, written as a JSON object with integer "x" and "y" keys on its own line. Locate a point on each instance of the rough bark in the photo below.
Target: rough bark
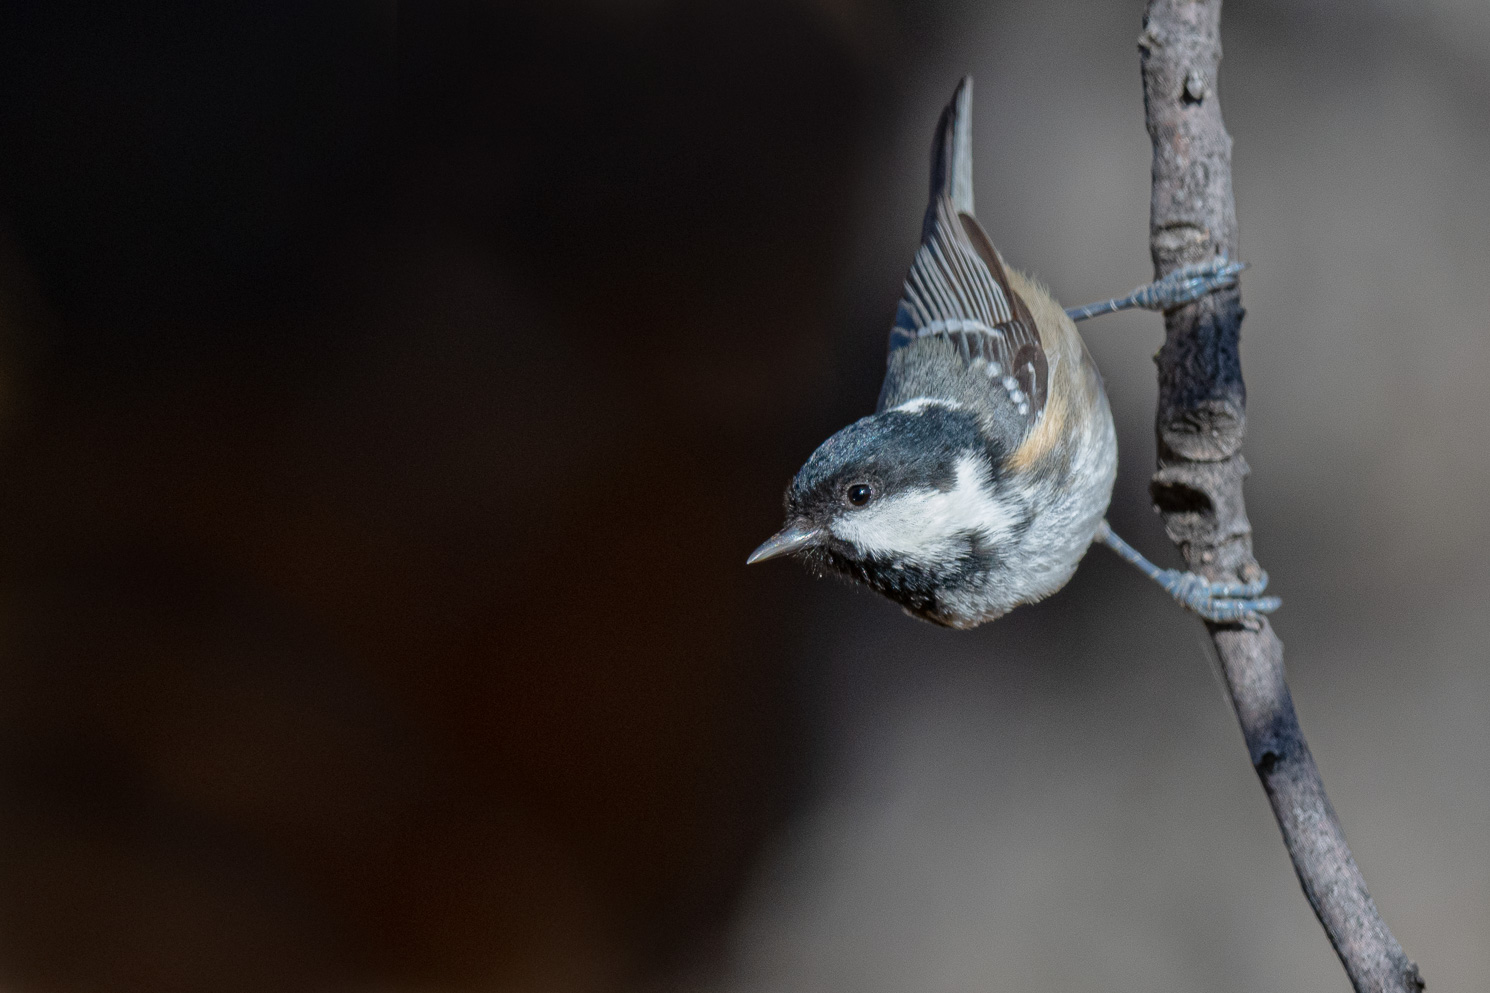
{"x": 1198, "y": 487}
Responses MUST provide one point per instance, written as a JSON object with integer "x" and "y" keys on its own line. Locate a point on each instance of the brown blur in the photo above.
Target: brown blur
{"x": 390, "y": 393}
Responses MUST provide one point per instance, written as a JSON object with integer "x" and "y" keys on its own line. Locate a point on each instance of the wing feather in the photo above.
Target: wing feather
{"x": 957, "y": 287}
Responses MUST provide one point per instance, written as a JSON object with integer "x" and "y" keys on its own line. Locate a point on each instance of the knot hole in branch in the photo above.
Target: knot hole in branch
{"x": 1174, "y": 497}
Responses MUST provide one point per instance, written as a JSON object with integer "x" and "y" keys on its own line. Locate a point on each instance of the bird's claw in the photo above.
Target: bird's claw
{"x": 1222, "y": 603}
{"x": 1189, "y": 283}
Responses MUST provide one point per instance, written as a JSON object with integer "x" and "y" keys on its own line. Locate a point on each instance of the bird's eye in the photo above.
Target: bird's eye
{"x": 860, "y": 493}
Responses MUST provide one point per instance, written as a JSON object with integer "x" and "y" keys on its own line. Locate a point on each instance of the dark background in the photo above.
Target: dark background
{"x": 390, "y": 393}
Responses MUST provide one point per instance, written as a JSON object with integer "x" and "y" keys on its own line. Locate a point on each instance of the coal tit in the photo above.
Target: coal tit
{"x": 986, "y": 470}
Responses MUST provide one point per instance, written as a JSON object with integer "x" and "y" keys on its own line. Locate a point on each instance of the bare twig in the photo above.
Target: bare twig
{"x": 1198, "y": 487}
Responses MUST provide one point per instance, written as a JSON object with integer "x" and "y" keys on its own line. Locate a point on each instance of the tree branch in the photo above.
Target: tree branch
{"x": 1198, "y": 487}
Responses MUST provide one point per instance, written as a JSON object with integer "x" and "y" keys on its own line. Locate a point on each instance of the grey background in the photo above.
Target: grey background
{"x": 1062, "y": 800}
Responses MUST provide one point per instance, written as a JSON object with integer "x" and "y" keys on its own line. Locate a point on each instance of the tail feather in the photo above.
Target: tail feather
{"x": 952, "y": 152}
{"x": 958, "y": 288}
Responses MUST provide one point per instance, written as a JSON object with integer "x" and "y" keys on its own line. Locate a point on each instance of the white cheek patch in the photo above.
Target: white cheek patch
{"x": 928, "y": 525}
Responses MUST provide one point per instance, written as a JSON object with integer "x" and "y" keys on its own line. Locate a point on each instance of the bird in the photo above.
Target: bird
{"x": 985, "y": 472}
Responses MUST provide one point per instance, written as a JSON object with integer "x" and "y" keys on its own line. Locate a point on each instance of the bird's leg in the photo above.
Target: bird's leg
{"x": 1219, "y": 602}
{"x": 1180, "y": 287}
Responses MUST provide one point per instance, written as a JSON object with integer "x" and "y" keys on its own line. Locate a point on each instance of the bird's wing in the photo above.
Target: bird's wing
{"x": 957, "y": 287}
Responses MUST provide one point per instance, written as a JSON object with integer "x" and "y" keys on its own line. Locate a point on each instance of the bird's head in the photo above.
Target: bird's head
{"x": 905, "y": 501}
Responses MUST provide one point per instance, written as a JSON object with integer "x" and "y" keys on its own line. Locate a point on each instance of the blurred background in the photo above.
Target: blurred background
{"x": 390, "y": 394}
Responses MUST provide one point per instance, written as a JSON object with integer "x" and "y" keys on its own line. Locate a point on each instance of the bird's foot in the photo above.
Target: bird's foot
{"x": 1185, "y": 285}
{"x": 1222, "y": 603}
{"x": 1189, "y": 283}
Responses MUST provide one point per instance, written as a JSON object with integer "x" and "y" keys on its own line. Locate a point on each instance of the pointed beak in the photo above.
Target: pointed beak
{"x": 784, "y": 542}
